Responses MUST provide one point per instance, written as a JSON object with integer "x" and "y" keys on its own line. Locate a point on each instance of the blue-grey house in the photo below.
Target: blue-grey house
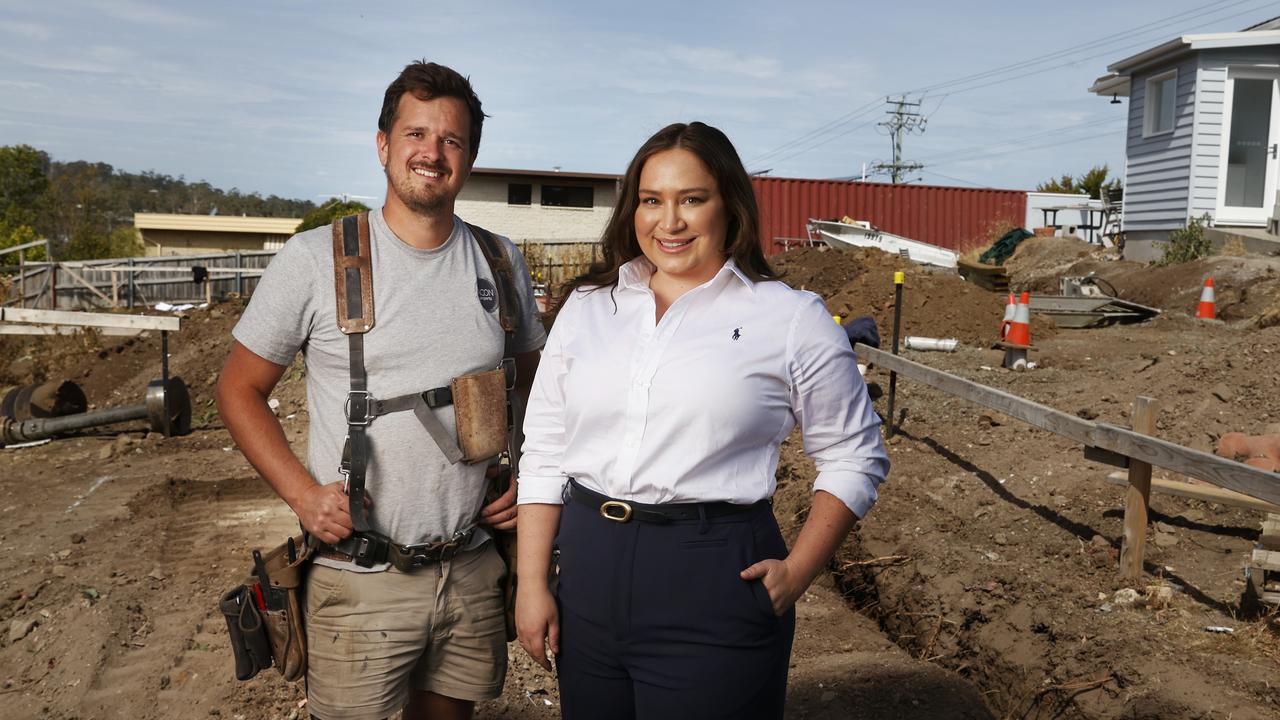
{"x": 1204, "y": 123}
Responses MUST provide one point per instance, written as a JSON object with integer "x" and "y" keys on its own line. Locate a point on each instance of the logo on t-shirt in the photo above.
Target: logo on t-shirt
{"x": 488, "y": 294}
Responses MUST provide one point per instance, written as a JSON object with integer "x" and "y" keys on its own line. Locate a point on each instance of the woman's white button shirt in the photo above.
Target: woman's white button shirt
{"x": 694, "y": 407}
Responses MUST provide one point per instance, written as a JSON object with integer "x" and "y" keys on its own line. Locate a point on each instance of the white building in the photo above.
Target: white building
{"x": 539, "y": 206}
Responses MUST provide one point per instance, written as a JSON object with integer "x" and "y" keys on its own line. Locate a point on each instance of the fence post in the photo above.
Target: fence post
{"x": 53, "y": 286}
{"x": 115, "y": 290}
{"x": 1137, "y": 500}
{"x": 239, "y": 276}
{"x": 22, "y": 278}
{"x": 132, "y": 275}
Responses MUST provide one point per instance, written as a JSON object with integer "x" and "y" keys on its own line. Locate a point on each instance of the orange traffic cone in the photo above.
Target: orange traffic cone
{"x": 1009, "y": 309}
{"x": 1207, "y": 310}
{"x": 1020, "y": 328}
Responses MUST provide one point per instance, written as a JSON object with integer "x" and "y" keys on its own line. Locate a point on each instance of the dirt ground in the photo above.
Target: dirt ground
{"x": 981, "y": 585}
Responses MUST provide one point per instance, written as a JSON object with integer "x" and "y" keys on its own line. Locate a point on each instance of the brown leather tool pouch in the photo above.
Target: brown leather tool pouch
{"x": 265, "y": 621}
{"x": 480, "y": 414}
{"x": 283, "y": 618}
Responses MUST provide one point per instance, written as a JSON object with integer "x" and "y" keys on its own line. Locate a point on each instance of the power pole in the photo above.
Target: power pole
{"x": 904, "y": 118}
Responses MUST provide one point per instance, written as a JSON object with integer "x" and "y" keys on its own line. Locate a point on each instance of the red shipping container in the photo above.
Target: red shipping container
{"x": 950, "y": 217}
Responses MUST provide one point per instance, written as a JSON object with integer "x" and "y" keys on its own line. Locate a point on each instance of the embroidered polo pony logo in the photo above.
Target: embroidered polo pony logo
{"x": 736, "y": 334}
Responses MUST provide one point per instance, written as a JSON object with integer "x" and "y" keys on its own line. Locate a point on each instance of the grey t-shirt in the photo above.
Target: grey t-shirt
{"x": 430, "y": 327}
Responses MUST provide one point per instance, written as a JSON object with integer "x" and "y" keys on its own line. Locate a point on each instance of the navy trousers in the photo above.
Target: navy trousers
{"x": 656, "y": 624}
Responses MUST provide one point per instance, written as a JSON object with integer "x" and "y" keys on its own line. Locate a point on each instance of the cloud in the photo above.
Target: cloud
{"x": 27, "y": 30}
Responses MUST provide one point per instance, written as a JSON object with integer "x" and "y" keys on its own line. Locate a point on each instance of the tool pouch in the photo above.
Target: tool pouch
{"x": 283, "y": 618}
{"x": 248, "y": 636}
{"x": 275, "y": 636}
{"x": 480, "y": 414}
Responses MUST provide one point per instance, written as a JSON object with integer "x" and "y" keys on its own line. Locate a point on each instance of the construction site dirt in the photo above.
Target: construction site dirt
{"x": 984, "y": 583}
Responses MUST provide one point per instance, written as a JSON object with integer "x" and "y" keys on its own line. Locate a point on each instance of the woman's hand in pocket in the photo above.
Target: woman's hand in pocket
{"x": 783, "y": 583}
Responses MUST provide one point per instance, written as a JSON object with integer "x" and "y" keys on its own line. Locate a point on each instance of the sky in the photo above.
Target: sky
{"x": 282, "y": 96}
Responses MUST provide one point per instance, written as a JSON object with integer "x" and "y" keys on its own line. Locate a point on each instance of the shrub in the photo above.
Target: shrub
{"x": 1187, "y": 244}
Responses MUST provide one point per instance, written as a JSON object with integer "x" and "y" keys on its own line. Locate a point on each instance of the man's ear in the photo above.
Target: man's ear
{"x": 383, "y": 145}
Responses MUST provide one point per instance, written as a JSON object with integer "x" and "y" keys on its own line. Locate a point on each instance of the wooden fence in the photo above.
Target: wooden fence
{"x": 134, "y": 282}
{"x": 1132, "y": 448}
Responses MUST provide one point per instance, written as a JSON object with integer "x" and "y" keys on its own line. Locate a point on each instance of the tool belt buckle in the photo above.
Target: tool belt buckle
{"x": 359, "y": 407}
{"x": 615, "y": 510}
{"x": 370, "y": 550}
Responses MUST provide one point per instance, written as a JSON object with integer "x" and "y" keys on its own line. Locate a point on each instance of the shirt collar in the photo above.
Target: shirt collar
{"x": 635, "y": 273}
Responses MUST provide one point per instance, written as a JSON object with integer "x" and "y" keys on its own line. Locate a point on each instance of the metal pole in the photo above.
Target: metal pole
{"x": 40, "y": 428}
{"x": 164, "y": 378}
{"x": 898, "y": 279}
{"x": 129, "y": 304}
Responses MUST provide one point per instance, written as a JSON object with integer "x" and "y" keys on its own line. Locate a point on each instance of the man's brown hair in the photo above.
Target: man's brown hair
{"x": 426, "y": 81}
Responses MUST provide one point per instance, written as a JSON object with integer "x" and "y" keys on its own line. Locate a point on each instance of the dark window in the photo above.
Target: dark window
{"x": 519, "y": 194}
{"x": 567, "y": 196}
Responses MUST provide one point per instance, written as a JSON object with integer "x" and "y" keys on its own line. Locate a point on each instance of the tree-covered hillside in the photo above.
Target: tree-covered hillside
{"x": 86, "y": 209}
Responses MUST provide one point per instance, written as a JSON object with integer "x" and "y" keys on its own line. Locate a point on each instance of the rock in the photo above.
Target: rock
{"x": 1086, "y": 413}
{"x": 827, "y": 697}
{"x": 60, "y": 571}
{"x": 106, "y": 452}
{"x": 19, "y": 629}
{"x": 1159, "y": 596}
{"x": 1099, "y": 542}
{"x": 164, "y": 681}
{"x": 64, "y": 554}
{"x": 988, "y": 420}
{"x": 156, "y": 574}
{"x": 1000, "y": 539}
{"x": 1165, "y": 539}
{"x": 274, "y": 404}
{"x": 153, "y": 437}
{"x": 1125, "y": 597}
{"x": 76, "y": 538}
{"x": 1222, "y": 392}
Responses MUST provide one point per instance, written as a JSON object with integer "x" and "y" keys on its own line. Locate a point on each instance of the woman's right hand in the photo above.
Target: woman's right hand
{"x": 537, "y": 622}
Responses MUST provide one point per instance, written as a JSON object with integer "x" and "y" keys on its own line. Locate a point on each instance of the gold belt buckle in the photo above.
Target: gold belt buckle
{"x": 618, "y": 504}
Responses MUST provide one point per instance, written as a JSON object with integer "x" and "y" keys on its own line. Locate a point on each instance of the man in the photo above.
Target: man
{"x": 431, "y": 639}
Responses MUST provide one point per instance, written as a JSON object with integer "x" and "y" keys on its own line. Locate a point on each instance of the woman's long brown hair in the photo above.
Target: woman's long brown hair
{"x": 742, "y": 236}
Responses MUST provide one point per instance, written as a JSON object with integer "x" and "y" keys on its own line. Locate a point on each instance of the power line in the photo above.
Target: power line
{"x": 956, "y": 179}
{"x": 1196, "y": 12}
{"x": 1019, "y": 149}
{"x": 906, "y": 119}
{"x": 826, "y": 127}
{"x": 1148, "y": 28}
{"x": 1018, "y": 140}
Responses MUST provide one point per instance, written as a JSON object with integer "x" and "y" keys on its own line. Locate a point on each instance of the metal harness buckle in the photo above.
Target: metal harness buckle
{"x": 509, "y": 369}
{"x": 607, "y": 508}
{"x": 359, "y": 407}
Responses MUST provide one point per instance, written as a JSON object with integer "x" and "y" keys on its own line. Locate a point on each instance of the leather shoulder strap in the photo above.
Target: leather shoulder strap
{"x": 353, "y": 273}
{"x": 500, "y": 265}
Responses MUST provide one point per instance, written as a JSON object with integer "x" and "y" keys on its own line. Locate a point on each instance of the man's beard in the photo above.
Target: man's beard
{"x": 424, "y": 201}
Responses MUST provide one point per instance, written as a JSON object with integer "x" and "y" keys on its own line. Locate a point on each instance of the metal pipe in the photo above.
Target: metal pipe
{"x": 41, "y": 428}
{"x": 913, "y": 342}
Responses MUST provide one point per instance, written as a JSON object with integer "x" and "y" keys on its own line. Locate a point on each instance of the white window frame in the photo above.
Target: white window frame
{"x": 1151, "y": 110}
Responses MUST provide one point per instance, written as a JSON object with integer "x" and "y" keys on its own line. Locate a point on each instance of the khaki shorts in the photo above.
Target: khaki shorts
{"x": 373, "y": 636}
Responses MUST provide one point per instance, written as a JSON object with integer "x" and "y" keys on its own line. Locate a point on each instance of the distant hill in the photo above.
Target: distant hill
{"x": 86, "y": 208}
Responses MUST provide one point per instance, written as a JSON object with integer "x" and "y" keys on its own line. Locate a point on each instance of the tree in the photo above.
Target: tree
{"x": 330, "y": 211}
{"x": 24, "y": 175}
{"x": 1091, "y": 183}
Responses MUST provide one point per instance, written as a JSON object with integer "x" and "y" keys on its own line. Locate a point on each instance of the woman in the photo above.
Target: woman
{"x": 674, "y": 369}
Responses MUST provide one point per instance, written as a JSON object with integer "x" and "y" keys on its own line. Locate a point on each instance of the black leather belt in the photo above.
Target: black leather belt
{"x": 405, "y": 558}
{"x": 625, "y": 510}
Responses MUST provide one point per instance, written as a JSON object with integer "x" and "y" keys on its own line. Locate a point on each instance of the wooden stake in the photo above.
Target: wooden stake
{"x": 1137, "y": 501}
{"x": 115, "y": 289}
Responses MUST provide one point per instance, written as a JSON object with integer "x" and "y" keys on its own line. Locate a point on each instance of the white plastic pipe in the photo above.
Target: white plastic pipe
{"x": 927, "y": 343}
